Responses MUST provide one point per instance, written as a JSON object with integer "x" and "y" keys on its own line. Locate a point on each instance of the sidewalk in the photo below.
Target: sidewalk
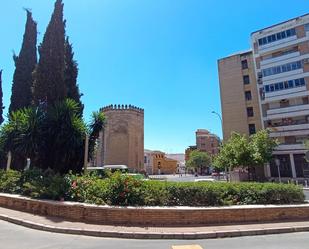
{"x": 58, "y": 225}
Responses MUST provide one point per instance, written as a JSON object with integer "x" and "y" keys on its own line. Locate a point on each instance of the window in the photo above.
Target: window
{"x": 278, "y": 36}
{"x": 250, "y": 112}
{"x": 246, "y": 79}
{"x": 145, "y": 159}
{"x": 248, "y": 95}
{"x": 252, "y": 129}
{"x": 281, "y": 69}
{"x": 307, "y": 27}
{"x": 244, "y": 64}
{"x": 285, "y": 85}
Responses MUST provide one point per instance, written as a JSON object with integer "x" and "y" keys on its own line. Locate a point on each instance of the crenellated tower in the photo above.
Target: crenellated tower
{"x": 122, "y": 141}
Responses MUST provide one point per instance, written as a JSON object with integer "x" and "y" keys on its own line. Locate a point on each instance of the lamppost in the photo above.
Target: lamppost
{"x": 86, "y": 152}
{"x": 213, "y": 112}
{"x": 277, "y": 161}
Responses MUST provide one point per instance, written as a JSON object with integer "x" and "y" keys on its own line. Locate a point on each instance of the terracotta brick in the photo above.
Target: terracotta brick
{"x": 155, "y": 216}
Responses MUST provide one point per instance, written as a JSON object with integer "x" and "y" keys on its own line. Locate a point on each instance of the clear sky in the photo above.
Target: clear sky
{"x": 160, "y": 55}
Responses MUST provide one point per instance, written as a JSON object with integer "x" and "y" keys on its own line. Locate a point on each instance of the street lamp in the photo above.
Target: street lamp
{"x": 277, "y": 162}
{"x": 213, "y": 112}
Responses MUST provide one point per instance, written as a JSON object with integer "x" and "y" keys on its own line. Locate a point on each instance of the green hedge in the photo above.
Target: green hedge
{"x": 124, "y": 190}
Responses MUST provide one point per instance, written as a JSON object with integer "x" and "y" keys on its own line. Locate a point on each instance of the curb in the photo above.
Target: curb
{"x": 151, "y": 235}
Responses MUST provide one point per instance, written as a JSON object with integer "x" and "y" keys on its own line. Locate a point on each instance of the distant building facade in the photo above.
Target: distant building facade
{"x": 180, "y": 157}
{"x": 268, "y": 87}
{"x": 157, "y": 162}
{"x": 207, "y": 142}
{"x": 239, "y": 94}
{"x": 122, "y": 141}
{"x": 281, "y": 55}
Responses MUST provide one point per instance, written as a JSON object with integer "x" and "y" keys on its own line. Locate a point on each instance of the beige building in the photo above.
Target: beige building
{"x": 239, "y": 95}
{"x": 122, "y": 141}
{"x": 269, "y": 88}
{"x": 281, "y": 55}
{"x": 157, "y": 162}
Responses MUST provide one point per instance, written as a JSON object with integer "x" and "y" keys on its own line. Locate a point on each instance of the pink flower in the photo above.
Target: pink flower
{"x": 74, "y": 184}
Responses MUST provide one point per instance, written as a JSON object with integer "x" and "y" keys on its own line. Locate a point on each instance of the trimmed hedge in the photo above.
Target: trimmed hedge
{"x": 124, "y": 190}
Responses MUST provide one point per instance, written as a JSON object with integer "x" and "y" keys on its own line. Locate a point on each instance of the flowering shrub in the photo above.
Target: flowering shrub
{"x": 124, "y": 190}
{"x": 89, "y": 189}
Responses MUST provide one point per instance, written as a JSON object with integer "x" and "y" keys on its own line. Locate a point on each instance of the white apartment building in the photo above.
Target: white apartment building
{"x": 281, "y": 58}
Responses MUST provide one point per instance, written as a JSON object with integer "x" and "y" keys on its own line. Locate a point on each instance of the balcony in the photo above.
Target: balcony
{"x": 296, "y": 92}
{"x": 290, "y": 130}
{"x": 290, "y": 147}
{"x": 287, "y": 112}
{"x": 292, "y": 108}
{"x": 279, "y": 58}
{"x": 280, "y": 44}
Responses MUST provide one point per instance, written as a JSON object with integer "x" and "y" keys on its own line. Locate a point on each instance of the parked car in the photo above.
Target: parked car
{"x": 205, "y": 180}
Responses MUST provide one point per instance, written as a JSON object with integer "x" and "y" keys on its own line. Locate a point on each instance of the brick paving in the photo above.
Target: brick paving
{"x": 53, "y": 224}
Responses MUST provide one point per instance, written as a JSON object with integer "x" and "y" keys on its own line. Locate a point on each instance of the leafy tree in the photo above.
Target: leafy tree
{"x": 1, "y": 99}
{"x": 234, "y": 153}
{"x": 240, "y": 151}
{"x": 198, "y": 160}
{"x": 262, "y": 147}
{"x": 96, "y": 125}
{"x": 25, "y": 64}
{"x": 20, "y": 135}
{"x": 49, "y": 85}
{"x": 70, "y": 74}
{"x": 53, "y": 137}
{"x": 64, "y": 134}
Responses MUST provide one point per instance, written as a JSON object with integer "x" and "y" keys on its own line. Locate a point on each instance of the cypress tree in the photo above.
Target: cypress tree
{"x": 49, "y": 85}
{"x": 70, "y": 74}
{"x": 1, "y": 99}
{"x": 24, "y": 66}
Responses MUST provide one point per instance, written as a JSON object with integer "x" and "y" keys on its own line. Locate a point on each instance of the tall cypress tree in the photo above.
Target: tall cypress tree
{"x": 1, "y": 99}
{"x": 49, "y": 85}
{"x": 24, "y": 66}
{"x": 70, "y": 74}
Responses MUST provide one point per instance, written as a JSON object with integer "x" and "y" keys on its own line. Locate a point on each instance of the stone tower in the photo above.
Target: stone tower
{"x": 122, "y": 141}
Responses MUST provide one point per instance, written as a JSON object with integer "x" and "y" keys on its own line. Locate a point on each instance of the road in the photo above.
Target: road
{"x": 17, "y": 237}
{"x": 178, "y": 178}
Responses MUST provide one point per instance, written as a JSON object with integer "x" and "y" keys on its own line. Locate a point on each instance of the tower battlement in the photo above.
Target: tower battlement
{"x": 122, "y": 108}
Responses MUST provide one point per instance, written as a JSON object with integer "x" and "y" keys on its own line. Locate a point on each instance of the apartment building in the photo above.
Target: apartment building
{"x": 281, "y": 58}
{"x": 239, "y": 94}
{"x": 207, "y": 142}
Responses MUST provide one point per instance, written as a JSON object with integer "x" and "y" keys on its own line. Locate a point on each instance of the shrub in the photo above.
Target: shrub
{"x": 124, "y": 190}
{"x": 10, "y": 181}
{"x": 87, "y": 188}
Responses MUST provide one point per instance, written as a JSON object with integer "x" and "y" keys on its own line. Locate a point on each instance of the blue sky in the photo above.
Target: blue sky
{"x": 160, "y": 55}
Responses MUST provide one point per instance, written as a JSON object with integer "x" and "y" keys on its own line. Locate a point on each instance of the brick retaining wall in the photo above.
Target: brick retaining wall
{"x": 156, "y": 216}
